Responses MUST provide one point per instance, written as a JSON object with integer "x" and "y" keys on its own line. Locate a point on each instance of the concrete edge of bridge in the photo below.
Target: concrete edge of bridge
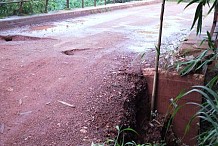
{"x": 20, "y": 21}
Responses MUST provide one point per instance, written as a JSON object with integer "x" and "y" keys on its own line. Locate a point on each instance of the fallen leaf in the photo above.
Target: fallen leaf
{"x": 67, "y": 104}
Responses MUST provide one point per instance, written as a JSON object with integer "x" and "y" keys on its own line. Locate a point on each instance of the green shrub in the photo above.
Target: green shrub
{"x": 201, "y": 61}
{"x": 208, "y": 112}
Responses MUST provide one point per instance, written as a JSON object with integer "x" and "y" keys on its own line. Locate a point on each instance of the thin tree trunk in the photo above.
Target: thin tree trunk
{"x": 82, "y": 3}
{"x": 95, "y": 3}
{"x": 68, "y": 4}
{"x": 155, "y": 82}
{"x": 21, "y": 7}
{"x": 46, "y": 6}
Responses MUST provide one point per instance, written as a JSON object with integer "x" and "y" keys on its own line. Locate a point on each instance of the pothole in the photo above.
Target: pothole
{"x": 72, "y": 52}
{"x": 9, "y": 38}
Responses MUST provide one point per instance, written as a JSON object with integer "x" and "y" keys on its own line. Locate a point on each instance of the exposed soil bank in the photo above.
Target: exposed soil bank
{"x": 128, "y": 94}
{"x": 126, "y": 103}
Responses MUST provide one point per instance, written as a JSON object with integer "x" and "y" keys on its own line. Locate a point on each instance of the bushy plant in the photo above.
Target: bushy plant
{"x": 208, "y": 112}
{"x": 213, "y": 4}
{"x": 119, "y": 140}
{"x": 38, "y": 6}
{"x": 201, "y": 61}
{"x": 7, "y": 10}
{"x": 31, "y": 7}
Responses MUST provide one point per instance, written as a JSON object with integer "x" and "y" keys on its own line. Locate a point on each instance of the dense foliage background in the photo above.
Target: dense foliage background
{"x": 38, "y": 6}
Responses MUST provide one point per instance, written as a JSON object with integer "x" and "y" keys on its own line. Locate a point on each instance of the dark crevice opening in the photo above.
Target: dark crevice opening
{"x": 137, "y": 108}
{"x": 8, "y": 38}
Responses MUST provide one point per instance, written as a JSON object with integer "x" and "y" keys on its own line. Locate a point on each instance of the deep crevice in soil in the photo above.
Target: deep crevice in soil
{"x": 127, "y": 105}
{"x": 136, "y": 116}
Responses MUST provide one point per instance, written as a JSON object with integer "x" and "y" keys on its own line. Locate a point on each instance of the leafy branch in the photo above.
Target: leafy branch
{"x": 201, "y": 61}
{"x": 199, "y": 11}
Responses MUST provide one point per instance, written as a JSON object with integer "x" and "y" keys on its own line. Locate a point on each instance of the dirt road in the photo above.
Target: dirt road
{"x": 58, "y": 80}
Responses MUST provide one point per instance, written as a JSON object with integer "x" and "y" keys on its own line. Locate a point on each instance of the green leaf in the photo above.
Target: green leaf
{"x": 179, "y": 1}
{"x": 212, "y": 82}
{"x": 143, "y": 55}
{"x": 190, "y": 3}
{"x": 157, "y": 50}
{"x": 210, "y": 41}
{"x": 212, "y": 7}
{"x": 199, "y": 25}
{"x": 198, "y": 14}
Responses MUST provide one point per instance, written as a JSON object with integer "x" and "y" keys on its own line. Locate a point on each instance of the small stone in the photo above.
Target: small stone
{"x": 27, "y": 138}
{"x": 85, "y": 127}
{"x": 47, "y": 103}
{"x": 83, "y": 131}
{"x": 20, "y": 101}
{"x": 25, "y": 113}
{"x": 147, "y": 65}
{"x": 2, "y": 127}
{"x": 10, "y": 89}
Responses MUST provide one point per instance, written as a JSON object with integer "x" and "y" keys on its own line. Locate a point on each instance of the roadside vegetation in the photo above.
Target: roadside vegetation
{"x": 207, "y": 63}
{"x": 119, "y": 140}
{"x": 38, "y": 6}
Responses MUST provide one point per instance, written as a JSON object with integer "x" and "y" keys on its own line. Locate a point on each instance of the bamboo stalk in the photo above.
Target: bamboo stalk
{"x": 155, "y": 82}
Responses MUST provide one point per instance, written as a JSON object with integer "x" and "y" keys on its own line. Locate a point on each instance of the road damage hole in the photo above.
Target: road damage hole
{"x": 9, "y": 38}
{"x": 73, "y": 51}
